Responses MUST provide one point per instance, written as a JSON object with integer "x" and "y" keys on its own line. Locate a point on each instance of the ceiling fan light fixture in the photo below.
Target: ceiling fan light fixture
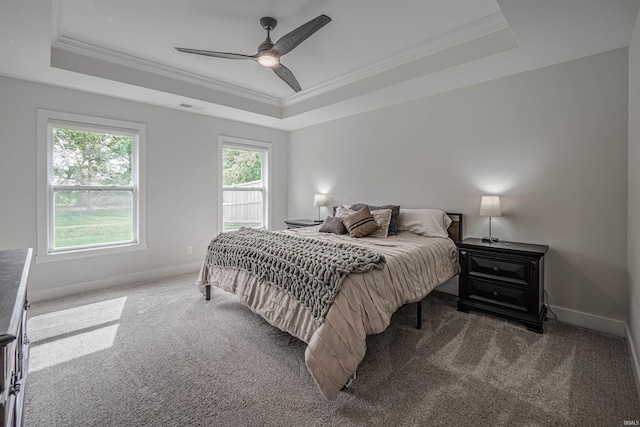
{"x": 268, "y": 60}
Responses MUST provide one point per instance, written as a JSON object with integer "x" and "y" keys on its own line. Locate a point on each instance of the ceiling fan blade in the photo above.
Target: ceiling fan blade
{"x": 216, "y": 54}
{"x": 285, "y": 74}
{"x": 290, "y": 40}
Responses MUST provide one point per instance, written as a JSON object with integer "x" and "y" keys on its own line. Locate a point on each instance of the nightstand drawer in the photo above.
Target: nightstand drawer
{"x": 511, "y": 270}
{"x": 508, "y": 296}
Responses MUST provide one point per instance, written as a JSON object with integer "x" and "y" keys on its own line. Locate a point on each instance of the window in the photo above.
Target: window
{"x": 92, "y": 186}
{"x": 244, "y": 172}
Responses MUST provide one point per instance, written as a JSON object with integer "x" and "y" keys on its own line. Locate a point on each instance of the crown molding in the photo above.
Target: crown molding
{"x": 56, "y": 18}
{"x": 71, "y": 45}
{"x": 471, "y": 31}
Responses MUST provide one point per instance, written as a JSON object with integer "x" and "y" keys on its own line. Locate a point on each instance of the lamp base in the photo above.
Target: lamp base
{"x": 490, "y": 240}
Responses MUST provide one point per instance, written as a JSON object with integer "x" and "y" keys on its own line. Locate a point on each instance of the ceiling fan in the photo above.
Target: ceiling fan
{"x": 269, "y": 53}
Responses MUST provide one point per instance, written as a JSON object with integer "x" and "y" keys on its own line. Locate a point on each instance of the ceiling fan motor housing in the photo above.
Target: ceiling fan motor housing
{"x": 268, "y": 23}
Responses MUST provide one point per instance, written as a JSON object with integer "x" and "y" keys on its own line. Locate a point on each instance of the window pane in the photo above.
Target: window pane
{"x": 91, "y": 158}
{"x": 241, "y": 209}
{"x": 84, "y": 218}
{"x": 241, "y": 167}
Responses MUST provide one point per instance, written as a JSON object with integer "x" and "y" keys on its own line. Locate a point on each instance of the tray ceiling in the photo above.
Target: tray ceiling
{"x": 372, "y": 54}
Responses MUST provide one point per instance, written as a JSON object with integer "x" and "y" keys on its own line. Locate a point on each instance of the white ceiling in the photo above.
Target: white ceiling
{"x": 373, "y": 54}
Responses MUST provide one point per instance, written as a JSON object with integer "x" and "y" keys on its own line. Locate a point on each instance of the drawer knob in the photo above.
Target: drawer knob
{"x": 15, "y": 389}
{"x": 15, "y": 385}
{"x": 496, "y": 269}
{"x": 495, "y": 293}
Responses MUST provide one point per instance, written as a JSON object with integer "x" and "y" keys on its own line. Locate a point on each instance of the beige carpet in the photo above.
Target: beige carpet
{"x": 157, "y": 353}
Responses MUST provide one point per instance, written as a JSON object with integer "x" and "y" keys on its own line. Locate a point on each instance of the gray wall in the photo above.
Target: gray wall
{"x": 181, "y": 185}
{"x": 633, "y": 242}
{"x": 552, "y": 141}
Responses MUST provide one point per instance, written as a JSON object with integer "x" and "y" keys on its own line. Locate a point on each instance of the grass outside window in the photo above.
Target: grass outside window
{"x": 75, "y": 227}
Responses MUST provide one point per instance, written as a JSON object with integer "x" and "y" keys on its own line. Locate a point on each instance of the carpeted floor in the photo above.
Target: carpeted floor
{"x": 158, "y": 354}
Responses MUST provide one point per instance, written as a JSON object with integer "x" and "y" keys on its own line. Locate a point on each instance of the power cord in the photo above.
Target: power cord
{"x": 546, "y": 296}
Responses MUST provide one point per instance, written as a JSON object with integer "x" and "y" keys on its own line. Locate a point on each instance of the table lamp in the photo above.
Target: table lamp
{"x": 320, "y": 200}
{"x": 490, "y": 206}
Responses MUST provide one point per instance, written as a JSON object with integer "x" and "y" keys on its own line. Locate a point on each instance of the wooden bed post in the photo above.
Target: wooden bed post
{"x": 419, "y": 321}
{"x": 207, "y": 290}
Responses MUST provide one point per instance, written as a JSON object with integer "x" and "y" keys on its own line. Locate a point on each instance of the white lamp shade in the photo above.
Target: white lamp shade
{"x": 490, "y": 206}
{"x": 320, "y": 200}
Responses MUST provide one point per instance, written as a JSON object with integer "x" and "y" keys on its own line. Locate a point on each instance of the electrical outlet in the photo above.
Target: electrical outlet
{"x": 189, "y": 250}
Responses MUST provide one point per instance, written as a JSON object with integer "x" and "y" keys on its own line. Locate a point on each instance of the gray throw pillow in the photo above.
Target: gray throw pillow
{"x": 333, "y": 225}
{"x": 395, "y": 213}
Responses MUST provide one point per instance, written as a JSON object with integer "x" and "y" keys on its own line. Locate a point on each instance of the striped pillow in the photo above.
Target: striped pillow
{"x": 395, "y": 213}
{"x": 360, "y": 223}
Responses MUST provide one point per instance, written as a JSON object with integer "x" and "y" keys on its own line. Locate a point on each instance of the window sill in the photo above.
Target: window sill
{"x": 86, "y": 253}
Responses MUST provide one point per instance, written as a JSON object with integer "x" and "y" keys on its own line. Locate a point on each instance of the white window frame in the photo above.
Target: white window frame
{"x": 48, "y": 118}
{"x": 251, "y": 145}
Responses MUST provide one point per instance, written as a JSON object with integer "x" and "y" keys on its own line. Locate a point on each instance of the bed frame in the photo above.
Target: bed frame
{"x": 455, "y": 229}
{"x": 455, "y": 234}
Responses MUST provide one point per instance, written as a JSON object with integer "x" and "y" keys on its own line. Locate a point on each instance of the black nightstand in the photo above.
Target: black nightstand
{"x": 298, "y": 223}
{"x": 505, "y": 278}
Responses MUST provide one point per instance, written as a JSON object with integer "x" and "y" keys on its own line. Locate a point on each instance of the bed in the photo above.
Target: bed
{"x": 364, "y": 302}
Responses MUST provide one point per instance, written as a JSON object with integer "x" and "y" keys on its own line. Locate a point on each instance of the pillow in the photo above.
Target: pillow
{"x": 395, "y": 213}
{"x": 334, "y": 225}
{"x": 425, "y": 222}
{"x": 360, "y": 223}
{"x": 382, "y": 217}
{"x": 343, "y": 211}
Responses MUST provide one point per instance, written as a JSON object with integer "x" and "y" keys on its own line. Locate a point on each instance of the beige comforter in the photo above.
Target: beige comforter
{"x": 363, "y": 306}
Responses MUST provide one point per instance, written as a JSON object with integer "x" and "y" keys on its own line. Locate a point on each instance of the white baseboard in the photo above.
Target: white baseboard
{"x": 589, "y": 321}
{"x": 635, "y": 362}
{"x": 49, "y": 294}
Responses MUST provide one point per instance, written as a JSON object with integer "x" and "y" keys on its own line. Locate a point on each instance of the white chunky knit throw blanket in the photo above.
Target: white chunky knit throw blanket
{"x": 310, "y": 270}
